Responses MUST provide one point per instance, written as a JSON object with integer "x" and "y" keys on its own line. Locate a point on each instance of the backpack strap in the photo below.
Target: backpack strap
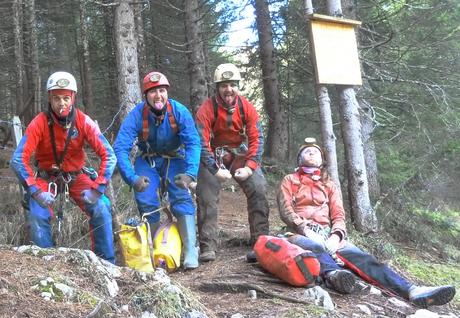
{"x": 145, "y": 120}
{"x": 242, "y": 115}
{"x": 59, "y": 160}
{"x": 145, "y": 123}
{"x": 303, "y": 268}
{"x": 172, "y": 119}
{"x": 215, "y": 107}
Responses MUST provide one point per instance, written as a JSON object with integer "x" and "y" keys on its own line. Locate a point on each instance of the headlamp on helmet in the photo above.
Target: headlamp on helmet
{"x": 154, "y": 79}
{"x": 226, "y": 72}
{"x": 61, "y": 80}
{"x": 309, "y": 142}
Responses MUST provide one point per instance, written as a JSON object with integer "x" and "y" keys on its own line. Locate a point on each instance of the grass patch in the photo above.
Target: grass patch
{"x": 431, "y": 274}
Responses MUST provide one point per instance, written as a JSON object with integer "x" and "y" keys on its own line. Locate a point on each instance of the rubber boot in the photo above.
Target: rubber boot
{"x": 187, "y": 230}
{"x": 153, "y": 229}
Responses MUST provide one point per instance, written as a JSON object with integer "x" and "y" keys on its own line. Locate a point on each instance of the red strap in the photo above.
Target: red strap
{"x": 172, "y": 120}
{"x": 145, "y": 123}
{"x": 145, "y": 120}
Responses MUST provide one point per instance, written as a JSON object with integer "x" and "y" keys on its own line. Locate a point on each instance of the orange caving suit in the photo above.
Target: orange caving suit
{"x": 303, "y": 201}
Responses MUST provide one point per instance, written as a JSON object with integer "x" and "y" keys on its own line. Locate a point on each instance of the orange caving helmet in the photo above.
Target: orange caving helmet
{"x": 154, "y": 79}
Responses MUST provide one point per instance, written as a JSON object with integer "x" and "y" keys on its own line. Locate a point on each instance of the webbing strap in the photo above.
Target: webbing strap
{"x": 145, "y": 120}
{"x": 215, "y": 106}
{"x": 53, "y": 140}
{"x": 303, "y": 268}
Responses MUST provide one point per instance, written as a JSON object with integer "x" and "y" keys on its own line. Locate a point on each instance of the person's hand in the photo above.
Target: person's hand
{"x": 332, "y": 244}
{"x": 223, "y": 175}
{"x": 141, "y": 183}
{"x": 90, "y": 196}
{"x": 44, "y": 199}
{"x": 183, "y": 180}
{"x": 317, "y": 238}
{"x": 242, "y": 174}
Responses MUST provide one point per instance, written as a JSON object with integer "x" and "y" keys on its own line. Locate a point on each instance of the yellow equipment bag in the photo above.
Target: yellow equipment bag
{"x": 167, "y": 247}
{"x": 137, "y": 246}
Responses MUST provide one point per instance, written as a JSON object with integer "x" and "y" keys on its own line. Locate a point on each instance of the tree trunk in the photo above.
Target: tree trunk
{"x": 363, "y": 215}
{"x": 139, "y": 26}
{"x": 195, "y": 54}
{"x": 127, "y": 64}
{"x": 32, "y": 56}
{"x": 370, "y": 157}
{"x": 18, "y": 55}
{"x": 110, "y": 58}
{"x": 367, "y": 123}
{"x": 276, "y": 147}
{"x": 325, "y": 114}
{"x": 87, "y": 83}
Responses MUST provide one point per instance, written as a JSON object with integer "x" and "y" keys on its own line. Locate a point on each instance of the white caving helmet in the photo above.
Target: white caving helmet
{"x": 61, "y": 80}
{"x": 226, "y": 72}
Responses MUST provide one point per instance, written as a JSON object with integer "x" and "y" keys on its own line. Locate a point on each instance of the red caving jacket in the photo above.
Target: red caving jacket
{"x": 225, "y": 130}
{"x": 37, "y": 141}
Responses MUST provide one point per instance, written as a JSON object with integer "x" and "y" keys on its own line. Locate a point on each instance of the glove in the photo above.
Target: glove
{"x": 332, "y": 244}
{"x": 223, "y": 175}
{"x": 90, "y": 196}
{"x": 242, "y": 174}
{"x": 183, "y": 180}
{"x": 141, "y": 183}
{"x": 44, "y": 199}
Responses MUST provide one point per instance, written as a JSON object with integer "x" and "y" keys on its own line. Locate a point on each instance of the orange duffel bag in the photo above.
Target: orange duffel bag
{"x": 287, "y": 261}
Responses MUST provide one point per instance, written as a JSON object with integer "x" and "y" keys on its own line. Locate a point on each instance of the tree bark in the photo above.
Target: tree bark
{"x": 87, "y": 82}
{"x": 139, "y": 26}
{"x": 32, "y": 56}
{"x": 370, "y": 156}
{"x": 109, "y": 49}
{"x": 367, "y": 123}
{"x": 18, "y": 55}
{"x": 363, "y": 215}
{"x": 328, "y": 138}
{"x": 195, "y": 54}
{"x": 127, "y": 63}
{"x": 276, "y": 147}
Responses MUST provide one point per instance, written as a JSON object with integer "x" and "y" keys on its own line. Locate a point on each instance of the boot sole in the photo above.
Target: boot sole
{"x": 439, "y": 298}
{"x": 344, "y": 282}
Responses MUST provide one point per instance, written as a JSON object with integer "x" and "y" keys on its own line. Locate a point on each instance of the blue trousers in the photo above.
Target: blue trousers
{"x": 180, "y": 200}
{"x": 99, "y": 213}
{"x": 363, "y": 264}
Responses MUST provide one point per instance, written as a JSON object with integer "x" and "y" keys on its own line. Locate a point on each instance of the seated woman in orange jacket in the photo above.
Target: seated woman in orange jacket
{"x": 311, "y": 206}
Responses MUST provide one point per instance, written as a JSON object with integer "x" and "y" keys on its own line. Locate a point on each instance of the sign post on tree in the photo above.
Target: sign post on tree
{"x": 335, "y": 50}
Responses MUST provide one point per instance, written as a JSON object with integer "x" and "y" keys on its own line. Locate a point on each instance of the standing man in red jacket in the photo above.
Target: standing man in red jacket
{"x": 232, "y": 146}
{"x": 56, "y": 138}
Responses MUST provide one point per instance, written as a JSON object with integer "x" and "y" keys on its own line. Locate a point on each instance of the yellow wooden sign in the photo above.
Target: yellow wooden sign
{"x": 335, "y": 50}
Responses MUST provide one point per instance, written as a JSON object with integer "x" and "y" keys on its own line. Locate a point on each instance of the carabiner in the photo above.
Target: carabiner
{"x": 52, "y": 188}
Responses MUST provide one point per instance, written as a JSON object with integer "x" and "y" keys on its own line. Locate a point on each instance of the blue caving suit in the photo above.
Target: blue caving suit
{"x": 170, "y": 154}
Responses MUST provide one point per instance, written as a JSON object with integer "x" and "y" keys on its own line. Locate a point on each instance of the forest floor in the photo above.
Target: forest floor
{"x": 221, "y": 286}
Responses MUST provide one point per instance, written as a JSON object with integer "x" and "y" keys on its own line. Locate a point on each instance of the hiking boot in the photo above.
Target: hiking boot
{"x": 340, "y": 280}
{"x": 423, "y": 296}
{"x": 208, "y": 256}
{"x": 251, "y": 257}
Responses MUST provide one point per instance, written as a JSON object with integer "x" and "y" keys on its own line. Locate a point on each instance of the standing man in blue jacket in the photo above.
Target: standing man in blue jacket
{"x": 169, "y": 147}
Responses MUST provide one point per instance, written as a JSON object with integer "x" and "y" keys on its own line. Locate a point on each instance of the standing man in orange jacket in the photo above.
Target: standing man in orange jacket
{"x": 232, "y": 145}
{"x": 56, "y": 139}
